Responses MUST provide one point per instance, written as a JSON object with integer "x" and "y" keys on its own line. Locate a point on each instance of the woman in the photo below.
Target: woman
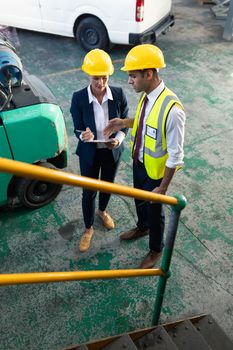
{"x": 91, "y": 110}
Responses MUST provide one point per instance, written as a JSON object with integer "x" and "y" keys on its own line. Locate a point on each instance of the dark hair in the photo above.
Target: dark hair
{"x": 144, "y": 70}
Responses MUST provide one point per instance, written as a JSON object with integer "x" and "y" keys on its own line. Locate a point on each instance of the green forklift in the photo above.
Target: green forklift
{"x": 32, "y": 130}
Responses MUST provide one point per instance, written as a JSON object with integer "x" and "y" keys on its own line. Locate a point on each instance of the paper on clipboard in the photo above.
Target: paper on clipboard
{"x": 101, "y": 141}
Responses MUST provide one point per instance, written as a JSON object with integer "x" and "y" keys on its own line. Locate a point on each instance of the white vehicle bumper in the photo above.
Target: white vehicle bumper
{"x": 150, "y": 35}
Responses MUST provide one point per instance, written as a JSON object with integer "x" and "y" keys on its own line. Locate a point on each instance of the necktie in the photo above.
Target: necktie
{"x": 139, "y": 131}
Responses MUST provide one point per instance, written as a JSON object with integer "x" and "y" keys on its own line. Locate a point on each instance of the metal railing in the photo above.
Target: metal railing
{"x": 178, "y": 202}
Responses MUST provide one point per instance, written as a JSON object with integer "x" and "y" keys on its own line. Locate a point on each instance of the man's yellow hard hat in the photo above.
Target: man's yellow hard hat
{"x": 97, "y": 63}
{"x": 144, "y": 56}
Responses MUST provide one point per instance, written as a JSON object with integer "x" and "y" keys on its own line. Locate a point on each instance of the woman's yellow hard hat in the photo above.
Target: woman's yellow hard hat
{"x": 97, "y": 63}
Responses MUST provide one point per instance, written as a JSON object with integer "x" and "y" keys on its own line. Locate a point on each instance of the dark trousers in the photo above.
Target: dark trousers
{"x": 104, "y": 167}
{"x": 150, "y": 216}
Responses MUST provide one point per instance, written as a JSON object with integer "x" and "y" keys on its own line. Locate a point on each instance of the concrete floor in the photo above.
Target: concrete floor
{"x": 55, "y": 316}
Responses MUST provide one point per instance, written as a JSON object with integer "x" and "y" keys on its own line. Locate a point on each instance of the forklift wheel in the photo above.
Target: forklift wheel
{"x": 34, "y": 193}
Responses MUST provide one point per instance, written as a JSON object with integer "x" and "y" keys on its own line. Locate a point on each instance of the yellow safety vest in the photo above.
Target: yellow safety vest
{"x": 155, "y": 146}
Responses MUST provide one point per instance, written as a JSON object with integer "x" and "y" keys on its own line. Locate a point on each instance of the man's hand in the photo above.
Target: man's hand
{"x": 168, "y": 175}
{"x": 160, "y": 190}
{"x": 113, "y": 126}
{"x": 87, "y": 135}
{"x": 113, "y": 144}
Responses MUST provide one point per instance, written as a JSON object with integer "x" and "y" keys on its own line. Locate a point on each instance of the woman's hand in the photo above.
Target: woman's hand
{"x": 112, "y": 144}
{"x": 87, "y": 135}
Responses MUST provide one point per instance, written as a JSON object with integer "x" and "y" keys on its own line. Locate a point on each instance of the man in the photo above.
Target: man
{"x": 156, "y": 142}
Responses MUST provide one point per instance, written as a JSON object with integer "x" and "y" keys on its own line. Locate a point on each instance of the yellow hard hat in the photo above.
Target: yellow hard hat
{"x": 97, "y": 62}
{"x": 144, "y": 56}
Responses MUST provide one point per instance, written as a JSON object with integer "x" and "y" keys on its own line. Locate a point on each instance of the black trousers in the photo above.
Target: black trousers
{"x": 150, "y": 216}
{"x": 105, "y": 168}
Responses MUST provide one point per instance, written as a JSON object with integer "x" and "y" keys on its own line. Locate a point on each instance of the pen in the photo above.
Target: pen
{"x": 79, "y": 130}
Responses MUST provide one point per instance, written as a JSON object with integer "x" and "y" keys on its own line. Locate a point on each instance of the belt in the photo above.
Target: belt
{"x": 139, "y": 164}
{"x": 103, "y": 149}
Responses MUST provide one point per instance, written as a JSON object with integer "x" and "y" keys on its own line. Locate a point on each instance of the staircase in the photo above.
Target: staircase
{"x": 197, "y": 333}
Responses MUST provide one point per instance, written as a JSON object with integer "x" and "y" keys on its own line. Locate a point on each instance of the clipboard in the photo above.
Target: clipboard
{"x": 101, "y": 141}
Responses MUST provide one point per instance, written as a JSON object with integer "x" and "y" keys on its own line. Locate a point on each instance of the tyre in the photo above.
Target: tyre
{"x": 34, "y": 194}
{"x": 92, "y": 34}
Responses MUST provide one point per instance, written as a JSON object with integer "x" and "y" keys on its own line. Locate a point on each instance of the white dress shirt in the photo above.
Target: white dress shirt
{"x": 174, "y": 130}
{"x": 102, "y": 116}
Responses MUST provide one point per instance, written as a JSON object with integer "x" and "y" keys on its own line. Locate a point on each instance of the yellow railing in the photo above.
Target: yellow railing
{"x": 46, "y": 277}
{"x": 60, "y": 177}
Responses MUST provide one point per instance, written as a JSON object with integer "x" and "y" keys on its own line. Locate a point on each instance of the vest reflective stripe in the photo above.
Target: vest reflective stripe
{"x": 155, "y": 150}
{"x": 161, "y": 149}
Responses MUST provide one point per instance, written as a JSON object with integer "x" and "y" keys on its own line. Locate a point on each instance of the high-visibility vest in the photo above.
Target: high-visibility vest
{"x": 155, "y": 147}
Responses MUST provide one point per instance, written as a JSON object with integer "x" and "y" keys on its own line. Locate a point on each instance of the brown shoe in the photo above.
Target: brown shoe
{"x": 150, "y": 260}
{"x": 133, "y": 234}
{"x": 106, "y": 219}
{"x": 85, "y": 240}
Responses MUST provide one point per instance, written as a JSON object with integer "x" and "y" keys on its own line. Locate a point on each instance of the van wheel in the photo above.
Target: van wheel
{"x": 92, "y": 34}
{"x": 34, "y": 193}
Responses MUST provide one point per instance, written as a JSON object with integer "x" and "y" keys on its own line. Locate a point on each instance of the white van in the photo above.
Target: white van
{"x": 94, "y": 23}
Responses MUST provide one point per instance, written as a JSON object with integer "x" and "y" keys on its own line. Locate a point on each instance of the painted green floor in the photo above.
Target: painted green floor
{"x": 55, "y": 316}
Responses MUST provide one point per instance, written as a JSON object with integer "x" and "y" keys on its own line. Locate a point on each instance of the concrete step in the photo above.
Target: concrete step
{"x": 158, "y": 339}
{"x": 199, "y": 333}
{"x": 213, "y": 333}
{"x": 187, "y": 337}
{"x": 122, "y": 343}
